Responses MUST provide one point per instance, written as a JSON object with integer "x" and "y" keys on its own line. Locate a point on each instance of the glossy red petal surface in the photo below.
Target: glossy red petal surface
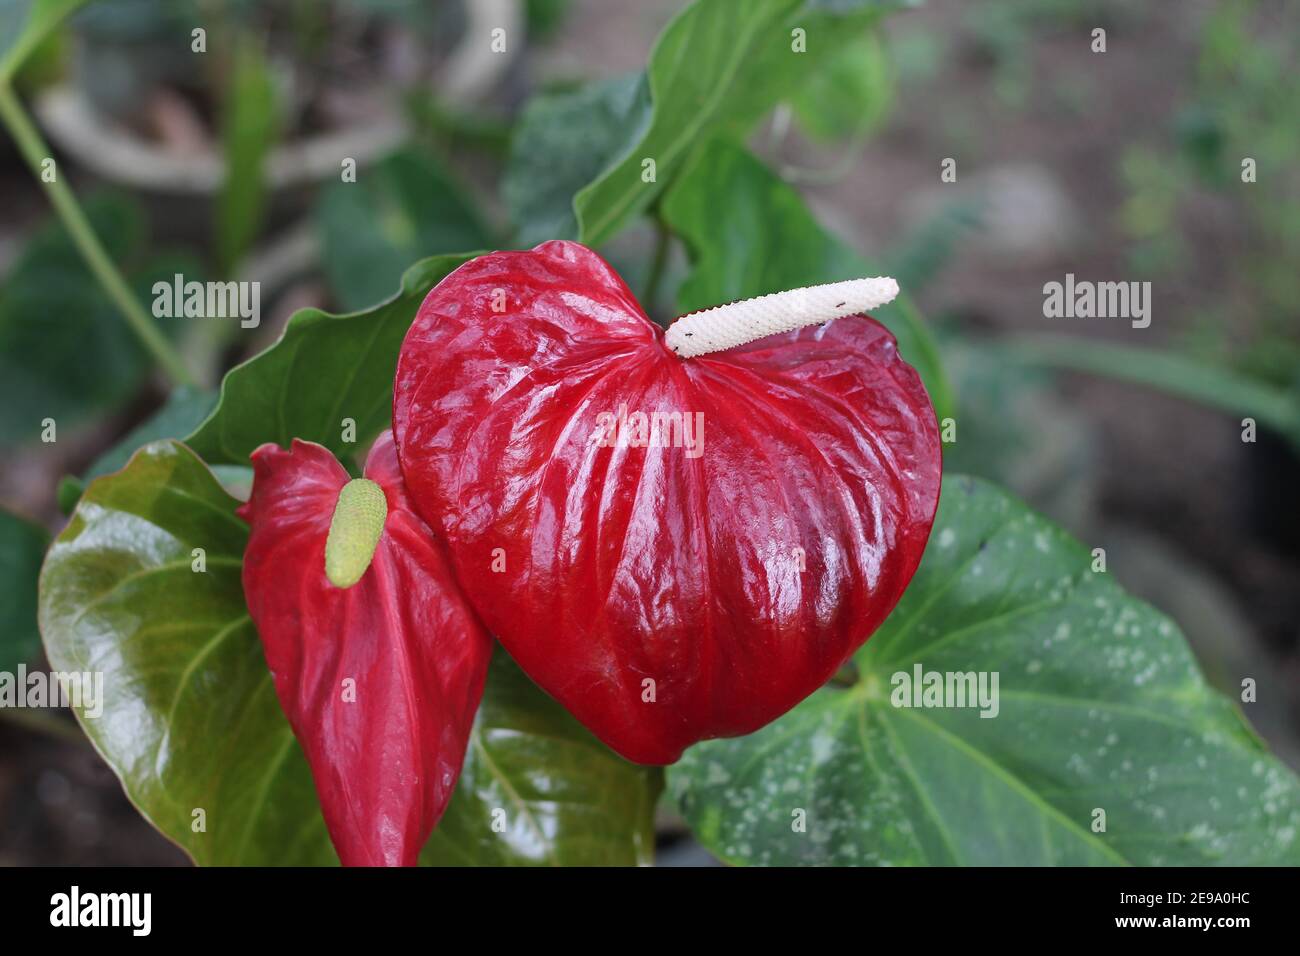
{"x": 737, "y": 579}
{"x": 385, "y": 763}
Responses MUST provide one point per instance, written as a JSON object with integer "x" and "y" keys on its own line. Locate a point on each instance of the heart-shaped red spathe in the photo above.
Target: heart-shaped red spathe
{"x": 670, "y": 593}
{"x": 381, "y": 680}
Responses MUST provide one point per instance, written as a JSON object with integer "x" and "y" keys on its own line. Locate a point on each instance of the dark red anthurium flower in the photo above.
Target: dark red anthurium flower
{"x": 675, "y": 549}
{"x": 378, "y": 661}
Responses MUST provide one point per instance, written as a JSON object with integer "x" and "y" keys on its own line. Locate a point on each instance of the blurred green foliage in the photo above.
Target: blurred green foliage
{"x": 65, "y": 352}
{"x": 22, "y": 547}
{"x": 402, "y": 210}
{"x": 1003, "y": 33}
{"x": 544, "y": 17}
{"x": 851, "y": 94}
{"x": 1242, "y": 106}
{"x": 25, "y": 25}
{"x": 249, "y": 128}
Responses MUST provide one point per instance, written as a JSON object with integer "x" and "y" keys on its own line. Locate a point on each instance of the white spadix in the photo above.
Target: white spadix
{"x": 726, "y": 326}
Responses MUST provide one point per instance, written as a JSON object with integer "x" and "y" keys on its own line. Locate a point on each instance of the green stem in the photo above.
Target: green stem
{"x": 65, "y": 204}
{"x": 658, "y": 265}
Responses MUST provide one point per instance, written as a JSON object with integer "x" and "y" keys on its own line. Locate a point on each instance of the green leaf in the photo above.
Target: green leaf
{"x": 1101, "y": 707}
{"x": 190, "y": 718}
{"x": 720, "y": 65}
{"x": 183, "y": 412}
{"x": 748, "y": 234}
{"x": 544, "y": 17}
{"x": 323, "y": 369}
{"x": 69, "y": 492}
{"x": 851, "y": 95}
{"x": 568, "y": 799}
{"x": 65, "y": 351}
{"x": 1214, "y": 386}
{"x": 563, "y": 142}
{"x": 24, "y": 24}
{"x": 249, "y": 127}
{"x": 399, "y": 211}
{"x": 22, "y": 546}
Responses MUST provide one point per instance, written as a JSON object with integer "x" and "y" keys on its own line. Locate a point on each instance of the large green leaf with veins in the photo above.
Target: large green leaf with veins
{"x": 1100, "y": 707}
{"x": 190, "y": 719}
{"x": 539, "y": 789}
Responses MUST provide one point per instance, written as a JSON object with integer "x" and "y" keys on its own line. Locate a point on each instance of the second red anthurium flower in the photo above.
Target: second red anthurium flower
{"x": 378, "y": 662}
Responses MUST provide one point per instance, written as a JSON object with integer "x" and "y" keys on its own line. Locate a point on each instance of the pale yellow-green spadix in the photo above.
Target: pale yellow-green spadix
{"x": 358, "y": 522}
